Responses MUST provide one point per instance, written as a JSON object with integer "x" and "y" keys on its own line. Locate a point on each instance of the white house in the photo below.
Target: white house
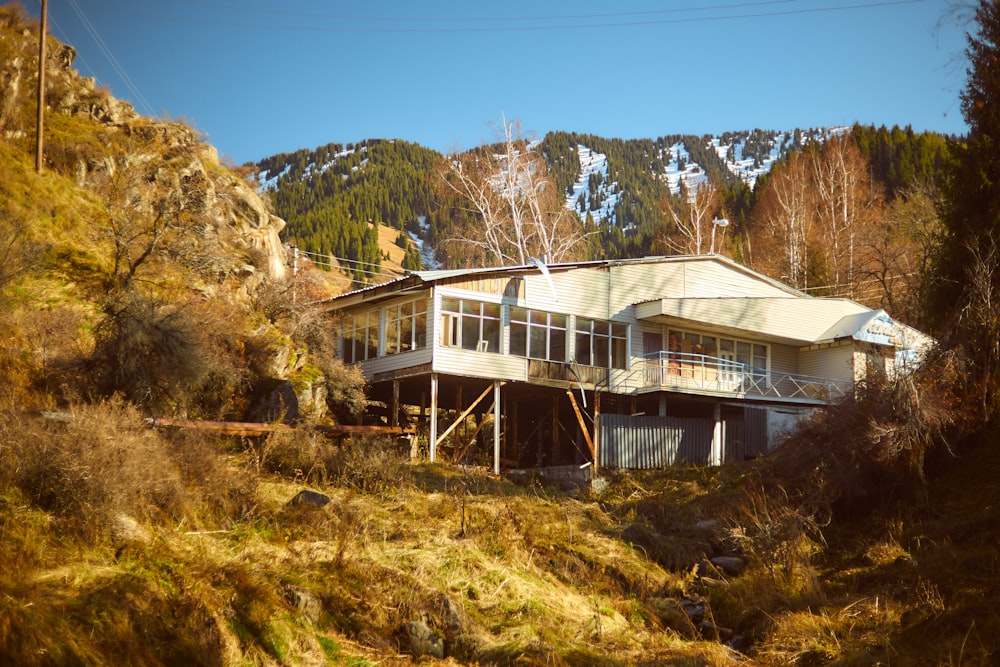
{"x": 629, "y": 363}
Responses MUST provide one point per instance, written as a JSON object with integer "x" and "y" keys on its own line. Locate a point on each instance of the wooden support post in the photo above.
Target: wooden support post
{"x": 496, "y": 428}
{"x": 717, "y": 453}
{"x": 459, "y": 410}
{"x": 583, "y": 426}
{"x": 394, "y": 408}
{"x": 555, "y": 429}
{"x": 432, "y": 438}
{"x": 597, "y": 433}
{"x": 462, "y": 416}
{"x": 40, "y": 121}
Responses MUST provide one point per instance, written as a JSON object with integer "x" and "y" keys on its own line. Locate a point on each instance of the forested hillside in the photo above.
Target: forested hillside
{"x": 847, "y": 211}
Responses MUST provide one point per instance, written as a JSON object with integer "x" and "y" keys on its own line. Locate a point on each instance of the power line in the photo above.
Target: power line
{"x": 481, "y": 19}
{"x": 125, "y": 79}
{"x": 516, "y": 28}
{"x": 327, "y": 260}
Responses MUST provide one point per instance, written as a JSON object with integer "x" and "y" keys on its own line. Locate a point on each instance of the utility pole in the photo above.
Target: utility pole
{"x": 41, "y": 89}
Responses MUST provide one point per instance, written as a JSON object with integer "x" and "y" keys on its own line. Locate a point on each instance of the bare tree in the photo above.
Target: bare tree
{"x": 844, "y": 197}
{"x": 520, "y": 211}
{"x": 896, "y": 255}
{"x": 692, "y": 215}
{"x": 784, "y": 216}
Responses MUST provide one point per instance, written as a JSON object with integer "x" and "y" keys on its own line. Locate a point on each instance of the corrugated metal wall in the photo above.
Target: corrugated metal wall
{"x": 654, "y": 442}
{"x": 644, "y": 443}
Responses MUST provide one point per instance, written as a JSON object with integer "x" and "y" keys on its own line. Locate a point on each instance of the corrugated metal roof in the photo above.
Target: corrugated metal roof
{"x": 432, "y": 276}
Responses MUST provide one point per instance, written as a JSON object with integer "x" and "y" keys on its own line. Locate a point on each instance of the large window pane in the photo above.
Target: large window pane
{"x": 602, "y": 353}
{"x": 536, "y": 343}
{"x": 470, "y": 332}
{"x": 519, "y": 339}
{"x": 392, "y": 332}
{"x": 420, "y": 323}
{"x": 372, "y": 335}
{"x": 619, "y": 353}
{"x": 584, "y": 355}
{"x": 406, "y": 329}
{"x": 557, "y": 345}
{"x": 490, "y": 341}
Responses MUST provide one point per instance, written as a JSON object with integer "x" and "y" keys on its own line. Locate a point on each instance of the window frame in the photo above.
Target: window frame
{"x": 528, "y": 324}
{"x": 461, "y": 317}
{"x": 405, "y": 331}
{"x": 605, "y": 341}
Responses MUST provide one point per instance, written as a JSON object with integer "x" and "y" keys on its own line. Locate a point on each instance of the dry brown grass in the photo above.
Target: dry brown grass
{"x": 229, "y": 573}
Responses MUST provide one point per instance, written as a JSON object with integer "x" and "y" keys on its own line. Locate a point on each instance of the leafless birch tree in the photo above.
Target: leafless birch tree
{"x": 692, "y": 217}
{"x": 786, "y": 217}
{"x": 843, "y": 192}
{"x": 521, "y": 213}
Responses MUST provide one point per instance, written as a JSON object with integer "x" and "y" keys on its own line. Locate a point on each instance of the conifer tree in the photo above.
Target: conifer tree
{"x": 965, "y": 302}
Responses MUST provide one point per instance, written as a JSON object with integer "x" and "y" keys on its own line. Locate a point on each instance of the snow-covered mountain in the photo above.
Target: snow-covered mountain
{"x": 747, "y": 155}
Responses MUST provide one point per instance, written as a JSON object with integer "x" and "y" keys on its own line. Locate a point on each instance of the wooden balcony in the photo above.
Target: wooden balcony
{"x": 699, "y": 373}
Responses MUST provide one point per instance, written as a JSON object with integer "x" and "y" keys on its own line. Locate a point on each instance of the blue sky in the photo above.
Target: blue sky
{"x": 263, "y": 77}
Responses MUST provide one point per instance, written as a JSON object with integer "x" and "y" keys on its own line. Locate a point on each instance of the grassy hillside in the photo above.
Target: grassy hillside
{"x": 124, "y": 545}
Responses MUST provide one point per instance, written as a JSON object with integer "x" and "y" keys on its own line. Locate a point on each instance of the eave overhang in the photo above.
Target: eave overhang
{"x": 790, "y": 320}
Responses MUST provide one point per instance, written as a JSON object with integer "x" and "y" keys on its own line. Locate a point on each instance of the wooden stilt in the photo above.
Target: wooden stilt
{"x": 432, "y": 438}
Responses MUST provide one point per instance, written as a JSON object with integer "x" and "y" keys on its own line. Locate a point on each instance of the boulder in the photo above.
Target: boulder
{"x": 305, "y": 603}
{"x": 419, "y": 640}
{"x": 311, "y": 498}
{"x": 732, "y": 565}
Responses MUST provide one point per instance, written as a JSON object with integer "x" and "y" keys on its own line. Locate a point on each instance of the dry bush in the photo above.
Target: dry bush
{"x": 870, "y": 449}
{"x": 91, "y": 465}
{"x": 218, "y": 492}
{"x": 370, "y": 464}
{"x": 293, "y": 307}
{"x": 170, "y": 358}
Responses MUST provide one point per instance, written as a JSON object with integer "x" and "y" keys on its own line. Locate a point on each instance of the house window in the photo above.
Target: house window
{"x": 360, "y": 337}
{"x": 406, "y": 326}
{"x": 537, "y": 335}
{"x": 735, "y": 356}
{"x": 470, "y": 325}
{"x": 601, "y": 343}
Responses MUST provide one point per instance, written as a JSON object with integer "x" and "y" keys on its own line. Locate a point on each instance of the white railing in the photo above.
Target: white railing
{"x": 699, "y": 372}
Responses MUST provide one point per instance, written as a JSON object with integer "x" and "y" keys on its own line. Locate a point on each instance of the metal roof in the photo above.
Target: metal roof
{"x": 428, "y": 277}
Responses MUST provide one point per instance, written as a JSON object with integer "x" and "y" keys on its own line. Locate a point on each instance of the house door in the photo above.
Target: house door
{"x": 652, "y": 346}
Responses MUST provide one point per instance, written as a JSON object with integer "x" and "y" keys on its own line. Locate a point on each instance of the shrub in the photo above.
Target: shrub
{"x": 90, "y": 465}
{"x": 871, "y": 448}
{"x": 368, "y": 464}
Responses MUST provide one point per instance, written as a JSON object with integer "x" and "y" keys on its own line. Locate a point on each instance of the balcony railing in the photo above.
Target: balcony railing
{"x": 698, "y": 372}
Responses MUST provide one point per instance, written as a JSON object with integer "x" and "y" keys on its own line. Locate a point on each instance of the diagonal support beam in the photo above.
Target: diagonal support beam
{"x": 583, "y": 425}
{"x": 462, "y": 416}
{"x": 472, "y": 438}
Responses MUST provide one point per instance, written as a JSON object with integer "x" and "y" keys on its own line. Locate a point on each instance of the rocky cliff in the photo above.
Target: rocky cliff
{"x": 187, "y": 167}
